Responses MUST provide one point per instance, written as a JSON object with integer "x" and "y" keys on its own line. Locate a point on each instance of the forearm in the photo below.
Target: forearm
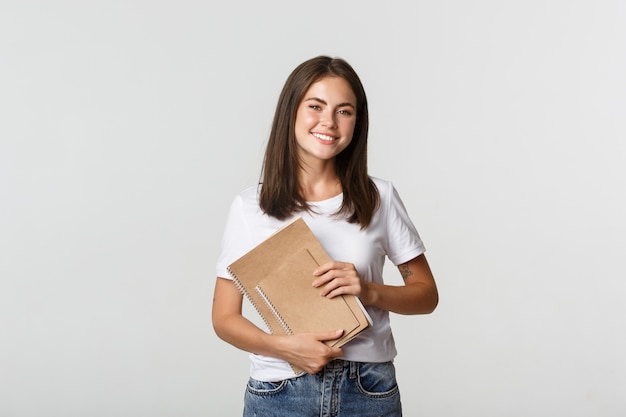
{"x": 243, "y": 334}
{"x": 232, "y": 327}
{"x": 413, "y": 298}
{"x": 418, "y": 296}
{"x": 306, "y": 350}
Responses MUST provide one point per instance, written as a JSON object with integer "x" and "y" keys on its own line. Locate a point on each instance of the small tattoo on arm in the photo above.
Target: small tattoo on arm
{"x": 404, "y": 270}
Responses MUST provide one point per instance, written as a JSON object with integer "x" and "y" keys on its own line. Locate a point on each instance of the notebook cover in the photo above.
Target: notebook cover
{"x": 298, "y": 306}
{"x": 267, "y": 257}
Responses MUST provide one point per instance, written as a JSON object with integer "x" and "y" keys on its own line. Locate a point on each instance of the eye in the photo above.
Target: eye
{"x": 345, "y": 112}
{"x": 314, "y": 107}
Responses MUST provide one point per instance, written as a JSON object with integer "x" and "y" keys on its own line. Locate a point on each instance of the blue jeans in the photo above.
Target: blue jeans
{"x": 341, "y": 389}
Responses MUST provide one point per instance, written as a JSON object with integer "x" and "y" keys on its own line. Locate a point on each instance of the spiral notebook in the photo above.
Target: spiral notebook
{"x": 298, "y": 306}
{"x": 276, "y": 276}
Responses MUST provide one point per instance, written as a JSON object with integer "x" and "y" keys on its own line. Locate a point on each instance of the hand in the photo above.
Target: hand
{"x": 337, "y": 278}
{"x": 308, "y": 351}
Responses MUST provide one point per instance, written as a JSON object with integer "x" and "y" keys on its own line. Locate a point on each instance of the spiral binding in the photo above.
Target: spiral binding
{"x": 271, "y": 306}
{"x": 243, "y": 291}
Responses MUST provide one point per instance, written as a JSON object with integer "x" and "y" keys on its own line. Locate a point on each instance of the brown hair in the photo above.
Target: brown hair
{"x": 280, "y": 194}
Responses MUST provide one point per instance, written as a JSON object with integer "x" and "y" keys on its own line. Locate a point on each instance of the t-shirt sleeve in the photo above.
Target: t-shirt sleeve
{"x": 403, "y": 240}
{"x": 234, "y": 239}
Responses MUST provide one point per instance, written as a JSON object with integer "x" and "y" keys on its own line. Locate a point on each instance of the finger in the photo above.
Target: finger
{"x": 328, "y": 266}
{"x": 331, "y": 286}
{"x": 331, "y": 335}
{"x": 336, "y": 352}
{"x": 344, "y": 288}
{"x": 339, "y": 291}
{"x": 326, "y": 278}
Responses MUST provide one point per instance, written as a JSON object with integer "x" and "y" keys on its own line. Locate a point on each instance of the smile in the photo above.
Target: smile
{"x": 325, "y": 138}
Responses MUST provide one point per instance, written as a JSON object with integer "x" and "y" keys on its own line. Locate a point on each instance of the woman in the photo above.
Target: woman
{"x": 315, "y": 167}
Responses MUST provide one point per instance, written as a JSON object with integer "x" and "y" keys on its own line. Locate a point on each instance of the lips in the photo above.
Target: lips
{"x": 324, "y": 138}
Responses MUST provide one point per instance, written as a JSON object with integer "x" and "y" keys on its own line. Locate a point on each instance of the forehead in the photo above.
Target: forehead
{"x": 331, "y": 88}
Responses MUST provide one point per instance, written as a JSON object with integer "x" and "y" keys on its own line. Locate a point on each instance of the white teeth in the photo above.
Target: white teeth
{"x": 323, "y": 137}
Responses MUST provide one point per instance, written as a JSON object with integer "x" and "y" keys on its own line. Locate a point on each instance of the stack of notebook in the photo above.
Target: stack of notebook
{"x": 276, "y": 277}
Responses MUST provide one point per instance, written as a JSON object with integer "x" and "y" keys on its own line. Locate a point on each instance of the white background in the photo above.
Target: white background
{"x": 126, "y": 127}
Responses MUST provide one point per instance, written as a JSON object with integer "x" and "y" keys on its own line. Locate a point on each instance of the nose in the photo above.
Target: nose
{"x": 328, "y": 119}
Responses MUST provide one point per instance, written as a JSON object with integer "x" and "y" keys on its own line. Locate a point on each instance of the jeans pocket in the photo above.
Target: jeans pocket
{"x": 263, "y": 388}
{"x": 377, "y": 379}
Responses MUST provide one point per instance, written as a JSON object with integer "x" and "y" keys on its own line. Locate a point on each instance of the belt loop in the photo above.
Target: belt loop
{"x": 353, "y": 369}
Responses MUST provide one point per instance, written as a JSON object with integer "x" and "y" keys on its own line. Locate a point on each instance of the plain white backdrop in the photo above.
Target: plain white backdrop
{"x": 126, "y": 127}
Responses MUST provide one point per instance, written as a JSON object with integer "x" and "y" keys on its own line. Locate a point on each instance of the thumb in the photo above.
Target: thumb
{"x": 331, "y": 335}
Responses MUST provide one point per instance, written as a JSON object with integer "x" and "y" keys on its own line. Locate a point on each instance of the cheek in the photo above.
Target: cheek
{"x": 302, "y": 126}
{"x": 304, "y": 117}
{"x": 305, "y": 120}
{"x": 348, "y": 130}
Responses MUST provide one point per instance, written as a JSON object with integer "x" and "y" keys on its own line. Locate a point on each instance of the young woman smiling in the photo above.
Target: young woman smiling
{"x": 315, "y": 167}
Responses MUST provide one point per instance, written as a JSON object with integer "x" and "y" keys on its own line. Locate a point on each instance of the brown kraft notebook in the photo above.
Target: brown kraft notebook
{"x": 276, "y": 276}
{"x": 298, "y": 306}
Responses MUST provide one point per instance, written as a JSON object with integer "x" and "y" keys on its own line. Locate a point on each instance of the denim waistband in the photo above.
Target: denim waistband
{"x": 340, "y": 365}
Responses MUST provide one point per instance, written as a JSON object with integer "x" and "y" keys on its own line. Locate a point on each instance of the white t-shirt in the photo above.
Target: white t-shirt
{"x": 391, "y": 234}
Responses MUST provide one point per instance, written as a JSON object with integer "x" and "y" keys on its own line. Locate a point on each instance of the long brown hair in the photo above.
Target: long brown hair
{"x": 280, "y": 193}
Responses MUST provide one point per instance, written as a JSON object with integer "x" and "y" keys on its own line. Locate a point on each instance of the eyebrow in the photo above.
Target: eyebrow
{"x": 348, "y": 104}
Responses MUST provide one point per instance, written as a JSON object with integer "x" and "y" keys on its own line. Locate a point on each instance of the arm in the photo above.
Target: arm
{"x": 306, "y": 351}
{"x": 418, "y": 295}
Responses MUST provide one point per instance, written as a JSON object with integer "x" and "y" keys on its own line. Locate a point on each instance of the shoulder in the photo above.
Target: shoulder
{"x": 245, "y": 202}
{"x": 248, "y": 195}
{"x": 390, "y": 199}
{"x": 380, "y": 182}
{"x": 385, "y": 187}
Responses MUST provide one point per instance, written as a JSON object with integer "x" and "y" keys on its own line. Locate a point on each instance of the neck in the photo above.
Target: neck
{"x": 320, "y": 182}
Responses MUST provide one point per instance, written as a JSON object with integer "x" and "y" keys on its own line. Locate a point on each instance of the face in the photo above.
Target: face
{"x": 325, "y": 119}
